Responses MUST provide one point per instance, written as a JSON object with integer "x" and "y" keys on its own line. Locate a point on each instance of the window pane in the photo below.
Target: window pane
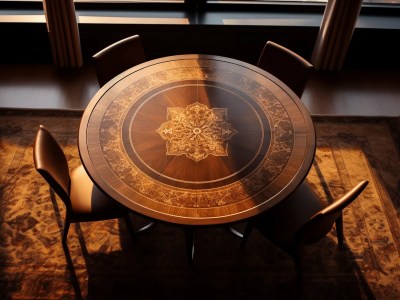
{"x": 214, "y": 1}
{"x": 295, "y": 1}
{"x": 132, "y": 1}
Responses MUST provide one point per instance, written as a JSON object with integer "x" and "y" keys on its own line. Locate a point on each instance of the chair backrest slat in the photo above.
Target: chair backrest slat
{"x": 117, "y": 58}
{"x": 321, "y": 223}
{"x": 286, "y": 65}
{"x": 51, "y": 163}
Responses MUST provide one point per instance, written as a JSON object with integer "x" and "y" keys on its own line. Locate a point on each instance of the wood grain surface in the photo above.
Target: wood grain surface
{"x": 196, "y": 139}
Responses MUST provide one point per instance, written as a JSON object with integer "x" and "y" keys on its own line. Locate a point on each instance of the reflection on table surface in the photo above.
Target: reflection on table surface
{"x": 197, "y": 140}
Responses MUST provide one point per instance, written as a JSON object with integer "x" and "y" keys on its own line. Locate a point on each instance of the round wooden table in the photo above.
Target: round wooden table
{"x": 197, "y": 140}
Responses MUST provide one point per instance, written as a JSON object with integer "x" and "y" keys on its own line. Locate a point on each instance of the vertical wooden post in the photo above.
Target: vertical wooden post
{"x": 195, "y": 5}
{"x": 335, "y": 34}
{"x": 62, "y": 27}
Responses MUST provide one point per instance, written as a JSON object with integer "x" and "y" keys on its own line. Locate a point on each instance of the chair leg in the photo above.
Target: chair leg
{"x": 67, "y": 221}
{"x": 130, "y": 225}
{"x": 339, "y": 230}
{"x": 235, "y": 232}
{"x": 190, "y": 244}
{"x": 65, "y": 231}
{"x": 248, "y": 230}
{"x": 151, "y": 224}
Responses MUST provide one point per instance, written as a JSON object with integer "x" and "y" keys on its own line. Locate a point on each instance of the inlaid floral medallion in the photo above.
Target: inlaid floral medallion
{"x": 196, "y": 131}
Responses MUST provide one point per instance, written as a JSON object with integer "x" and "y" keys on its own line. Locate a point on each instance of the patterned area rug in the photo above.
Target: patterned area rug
{"x": 104, "y": 262}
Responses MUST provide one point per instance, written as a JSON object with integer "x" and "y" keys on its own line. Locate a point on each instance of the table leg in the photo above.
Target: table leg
{"x": 190, "y": 243}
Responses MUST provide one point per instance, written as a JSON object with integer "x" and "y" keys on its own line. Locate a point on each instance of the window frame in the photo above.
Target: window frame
{"x": 198, "y": 8}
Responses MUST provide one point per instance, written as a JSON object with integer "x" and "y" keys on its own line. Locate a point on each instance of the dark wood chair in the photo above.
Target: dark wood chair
{"x": 84, "y": 202}
{"x": 301, "y": 219}
{"x": 287, "y": 66}
{"x": 117, "y": 58}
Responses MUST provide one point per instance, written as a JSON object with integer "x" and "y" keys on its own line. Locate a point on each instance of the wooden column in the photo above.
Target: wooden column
{"x": 62, "y": 27}
{"x": 335, "y": 34}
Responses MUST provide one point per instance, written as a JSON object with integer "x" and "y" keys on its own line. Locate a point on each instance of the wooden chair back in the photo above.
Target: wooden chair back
{"x": 117, "y": 58}
{"x": 51, "y": 163}
{"x": 320, "y": 224}
{"x": 286, "y": 65}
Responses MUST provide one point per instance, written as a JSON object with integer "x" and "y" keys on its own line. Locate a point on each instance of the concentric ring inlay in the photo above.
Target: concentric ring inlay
{"x": 195, "y": 137}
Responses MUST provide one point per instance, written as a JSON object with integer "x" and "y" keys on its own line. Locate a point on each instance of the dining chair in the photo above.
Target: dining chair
{"x": 286, "y": 65}
{"x": 84, "y": 202}
{"x": 301, "y": 219}
{"x": 117, "y": 58}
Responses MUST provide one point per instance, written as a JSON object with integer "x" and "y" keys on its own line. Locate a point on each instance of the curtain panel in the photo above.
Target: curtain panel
{"x": 335, "y": 34}
{"x": 62, "y": 27}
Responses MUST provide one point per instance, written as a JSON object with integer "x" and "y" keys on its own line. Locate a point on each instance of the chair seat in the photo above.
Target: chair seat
{"x": 88, "y": 202}
{"x": 297, "y": 208}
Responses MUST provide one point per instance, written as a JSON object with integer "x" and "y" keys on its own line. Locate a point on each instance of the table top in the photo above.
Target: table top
{"x": 196, "y": 139}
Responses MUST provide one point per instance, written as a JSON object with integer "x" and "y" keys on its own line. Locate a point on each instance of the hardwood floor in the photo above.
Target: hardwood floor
{"x": 367, "y": 92}
{"x": 46, "y": 87}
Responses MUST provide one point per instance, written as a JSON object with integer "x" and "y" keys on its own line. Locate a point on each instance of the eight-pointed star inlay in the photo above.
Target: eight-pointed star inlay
{"x": 196, "y": 131}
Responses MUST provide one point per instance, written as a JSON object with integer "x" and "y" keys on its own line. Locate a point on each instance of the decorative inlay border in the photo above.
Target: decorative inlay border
{"x": 281, "y": 144}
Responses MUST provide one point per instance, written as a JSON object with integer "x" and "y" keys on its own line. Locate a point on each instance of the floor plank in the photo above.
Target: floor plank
{"x": 45, "y": 86}
{"x": 367, "y": 92}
